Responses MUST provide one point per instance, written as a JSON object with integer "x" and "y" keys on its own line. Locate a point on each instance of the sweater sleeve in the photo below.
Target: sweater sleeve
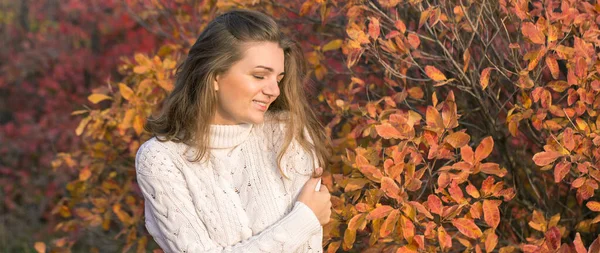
{"x": 176, "y": 225}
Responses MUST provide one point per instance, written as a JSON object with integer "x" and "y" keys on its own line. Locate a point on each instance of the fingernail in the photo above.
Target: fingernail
{"x": 319, "y": 170}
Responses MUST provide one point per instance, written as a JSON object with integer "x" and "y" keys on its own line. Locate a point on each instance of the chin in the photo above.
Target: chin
{"x": 256, "y": 119}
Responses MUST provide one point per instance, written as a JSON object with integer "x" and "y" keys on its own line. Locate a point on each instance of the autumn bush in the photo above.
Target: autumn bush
{"x": 455, "y": 125}
{"x": 53, "y": 53}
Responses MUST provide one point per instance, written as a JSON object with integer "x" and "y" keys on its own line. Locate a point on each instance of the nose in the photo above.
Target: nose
{"x": 271, "y": 89}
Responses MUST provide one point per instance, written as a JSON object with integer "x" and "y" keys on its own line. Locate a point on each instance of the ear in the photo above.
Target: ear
{"x": 216, "y": 83}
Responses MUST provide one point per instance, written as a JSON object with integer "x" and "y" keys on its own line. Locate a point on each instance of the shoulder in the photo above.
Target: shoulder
{"x": 275, "y": 122}
{"x": 157, "y": 158}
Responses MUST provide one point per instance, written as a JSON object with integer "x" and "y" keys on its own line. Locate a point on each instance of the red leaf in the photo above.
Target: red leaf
{"x": 467, "y": 227}
{"x": 546, "y": 157}
{"x": 579, "y": 248}
{"x": 374, "y": 28}
{"x": 561, "y": 170}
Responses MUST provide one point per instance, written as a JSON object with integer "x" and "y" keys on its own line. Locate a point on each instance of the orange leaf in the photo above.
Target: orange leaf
{"x": 552, "y": 65}
{"x": 467, "y": 227}
{"x": 472, "y": 191}
{"x": 457, "y": 139}
{"x": 561, "y": 170}
{"x": 84, "y": 174}
{"x": 140, "y": 69}
{"x": 379, "y": 212}
{"x": 484, "y": 149}
{"x": 434, "y": 73}
{"x": 466, "y": 153}
{"x": 390, "y": 187}
{"x": 40, "y": 247}
{"x": 435, "y": 204}
{"x": 568, "y": 139}
{"x": 138, "y": 124}
{"x": 408, "y": 228}
{"x": 388, "y": 225}
{"x": 387, "y": 131}
{"x": 433, "y": 118}
{"x": 485, "y": 77}
{"x": 421, "y": 209}
{"x": 492, "y": 168}
{"x": 413, "y": 40}
{"x": 444, "y": 239}
{"x": 456, "y": 192}
{"x": 374, "y": 28}
{"x": 356, "y": 222}
{"x": 476, "y": 210}
{"x": 532, "y": 32}
{"x": 546, "y": 157}
{"x": 491, "y": 241}
{"x": 558, "y": 85}
{"x": 400, "y": 25}
{"x": 349, "y": 238}
{"x": 593, "y": 205}
{"x": 491, "y": 213}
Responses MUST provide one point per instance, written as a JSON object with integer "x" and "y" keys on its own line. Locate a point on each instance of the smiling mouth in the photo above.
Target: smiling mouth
{"x": 260, "y": 103}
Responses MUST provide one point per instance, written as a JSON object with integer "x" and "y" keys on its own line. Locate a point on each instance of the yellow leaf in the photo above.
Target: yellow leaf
{"x": 97, "y": 98}
{"x": 125, "y": 91}
{"x": 138, "y": 124}
{"x": 332, "y": 45}
{"x": 169, "y": 64}
{"x": 40, "y": 247}
{"x": 82, "y": 124}
{"x": 78, "y": 112}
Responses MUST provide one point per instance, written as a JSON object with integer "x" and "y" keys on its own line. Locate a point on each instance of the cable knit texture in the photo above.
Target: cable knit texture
{"x": 235, "y": 201}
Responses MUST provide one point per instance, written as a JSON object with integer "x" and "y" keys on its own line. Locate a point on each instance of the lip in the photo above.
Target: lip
{"x": 260, "y": 105}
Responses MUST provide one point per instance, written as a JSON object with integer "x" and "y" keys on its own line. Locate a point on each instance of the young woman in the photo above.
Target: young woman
{"x": 229, "y": 168}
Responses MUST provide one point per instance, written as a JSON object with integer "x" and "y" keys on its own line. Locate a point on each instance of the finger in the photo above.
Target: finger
{"x": 324, "y": 188}
{"x": 312, "y": 182}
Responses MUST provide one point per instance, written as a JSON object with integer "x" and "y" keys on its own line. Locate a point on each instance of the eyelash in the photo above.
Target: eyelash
{"x": 262, "y": 77}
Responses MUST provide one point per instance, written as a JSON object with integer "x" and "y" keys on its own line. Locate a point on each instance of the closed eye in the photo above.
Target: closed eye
{"x": 259, "y": 77}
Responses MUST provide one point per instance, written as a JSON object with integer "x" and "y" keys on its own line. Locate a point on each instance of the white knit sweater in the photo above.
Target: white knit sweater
{"x": 237, "y": 201}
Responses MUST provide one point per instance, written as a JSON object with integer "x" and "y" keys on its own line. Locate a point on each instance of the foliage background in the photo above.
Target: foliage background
{"x": 455, "y": 125}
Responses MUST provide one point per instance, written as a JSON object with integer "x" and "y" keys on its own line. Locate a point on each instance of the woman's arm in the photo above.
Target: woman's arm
{"x": 177, "y": 227}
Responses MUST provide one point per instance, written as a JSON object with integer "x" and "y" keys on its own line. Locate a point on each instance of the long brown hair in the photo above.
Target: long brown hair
{"x": 189, "y": 108}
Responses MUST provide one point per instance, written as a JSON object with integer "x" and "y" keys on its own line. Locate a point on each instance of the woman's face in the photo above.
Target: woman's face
{"x": 246, "y": 90}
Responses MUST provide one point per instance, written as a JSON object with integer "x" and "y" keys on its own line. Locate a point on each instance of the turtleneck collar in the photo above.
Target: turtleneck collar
{"x": 228, "y": 136}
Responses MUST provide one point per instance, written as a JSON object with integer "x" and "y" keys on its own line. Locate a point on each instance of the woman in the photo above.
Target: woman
{"x": 229, "y": 168}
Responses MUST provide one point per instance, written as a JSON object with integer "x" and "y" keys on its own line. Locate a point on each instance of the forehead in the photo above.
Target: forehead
{"x": 268, "y": 54}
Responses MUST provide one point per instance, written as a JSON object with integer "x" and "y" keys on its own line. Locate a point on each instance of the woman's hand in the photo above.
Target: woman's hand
{"x": 318, "y": 201}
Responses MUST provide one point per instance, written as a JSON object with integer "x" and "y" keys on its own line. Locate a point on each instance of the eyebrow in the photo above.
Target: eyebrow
{"x": 268, "y": 69}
